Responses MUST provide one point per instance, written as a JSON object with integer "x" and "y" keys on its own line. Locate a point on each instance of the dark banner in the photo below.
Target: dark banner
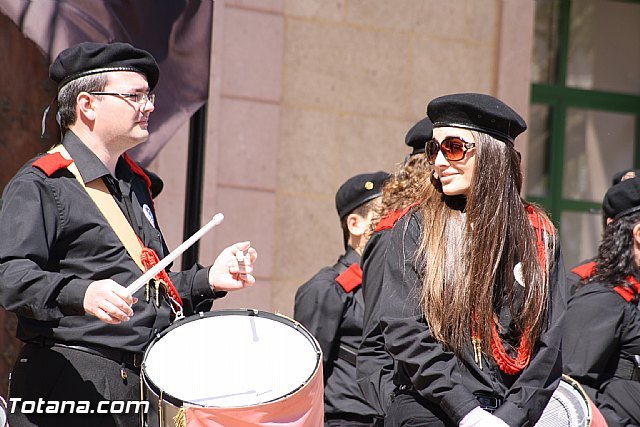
{"x": 176, "y": 32}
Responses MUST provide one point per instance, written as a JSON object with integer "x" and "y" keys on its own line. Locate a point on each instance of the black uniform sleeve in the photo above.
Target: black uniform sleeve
{"x": 30, "y": 223}
{"x": 193, "y": 285}
{"x": 374, "y": 364}
{"x": 434, "y": 372}
{"x": 530, "y": 393}
{"x": 319, "y": 306}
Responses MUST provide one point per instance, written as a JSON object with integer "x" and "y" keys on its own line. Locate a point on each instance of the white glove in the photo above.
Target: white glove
{"x": 481, "y": 418}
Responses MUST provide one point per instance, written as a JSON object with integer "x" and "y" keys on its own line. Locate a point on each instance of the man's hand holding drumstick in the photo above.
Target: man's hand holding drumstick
{"x": 232, "y": 270}
{"x": 233, "y": 267}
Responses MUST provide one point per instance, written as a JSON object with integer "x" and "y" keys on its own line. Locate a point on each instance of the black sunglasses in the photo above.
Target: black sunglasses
{"x": 453, "y": 148}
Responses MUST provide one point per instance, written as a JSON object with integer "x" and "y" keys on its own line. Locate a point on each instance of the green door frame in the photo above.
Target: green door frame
{"x": 560, "y": 98}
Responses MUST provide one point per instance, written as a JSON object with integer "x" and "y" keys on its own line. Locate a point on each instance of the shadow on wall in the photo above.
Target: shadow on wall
{"x": 24, "y": 96}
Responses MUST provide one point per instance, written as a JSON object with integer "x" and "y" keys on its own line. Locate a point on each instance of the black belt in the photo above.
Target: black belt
{"x": 628, "y": 369}
{"x": 130, "y": 359}
{"x": 364, "y": 419}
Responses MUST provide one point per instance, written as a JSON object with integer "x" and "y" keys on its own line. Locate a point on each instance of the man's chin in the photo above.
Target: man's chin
{"x": 140, "y": 137}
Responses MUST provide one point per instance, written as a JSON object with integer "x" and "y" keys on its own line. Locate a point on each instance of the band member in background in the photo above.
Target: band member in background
{"x": 400, "y": 191}
{"x": 473, "y": 281}
{"x": 331, "y": 307}
{"x": 62, "y": 263}
{"x": 623, "y": 175}
{"x": 601, "y": 339}
{"x": 585, "y": 269}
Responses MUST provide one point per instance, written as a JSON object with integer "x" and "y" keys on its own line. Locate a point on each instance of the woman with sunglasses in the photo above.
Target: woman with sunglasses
{"x": 472, "y": 281}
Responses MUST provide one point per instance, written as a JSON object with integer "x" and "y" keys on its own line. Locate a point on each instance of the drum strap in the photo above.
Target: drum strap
{"x": 628, "y": 369}
{"x": 144, "y": 257}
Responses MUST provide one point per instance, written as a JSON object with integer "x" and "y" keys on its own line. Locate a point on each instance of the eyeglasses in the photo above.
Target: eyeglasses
{"x": 453, "y": 148}
{"x": 139, "y": 97}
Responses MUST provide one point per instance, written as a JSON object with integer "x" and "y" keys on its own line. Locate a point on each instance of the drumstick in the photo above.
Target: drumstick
{"x": 164, "y": 262}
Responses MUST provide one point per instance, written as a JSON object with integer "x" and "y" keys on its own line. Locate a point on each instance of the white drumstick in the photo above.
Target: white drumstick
{"x": 164, "y": 262}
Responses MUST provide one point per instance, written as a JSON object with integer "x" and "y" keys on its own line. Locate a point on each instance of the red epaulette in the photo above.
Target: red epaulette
{"x": 351, "y": 278}
{"x": 626, "y": 293}
{"x": 51, "y": 162}
{"x": 539, "y": 222}
{"x": 585, "y": 271}
{"x": 541, "y": 225}
{"x": 135, "y": 168}
{"x": 392, "y": 217}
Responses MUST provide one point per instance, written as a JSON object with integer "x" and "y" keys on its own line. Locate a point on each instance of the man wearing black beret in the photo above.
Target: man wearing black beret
{"x": 331, "y": 307}
{"x": 77, "y": 225}
{"x": 601, "y": 339}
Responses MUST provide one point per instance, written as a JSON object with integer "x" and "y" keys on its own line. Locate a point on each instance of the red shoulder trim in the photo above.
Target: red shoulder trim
{"x": 51, "y": 162}
{"x": 541, "y": 225}
{"x": 351, "y": 278}
{"x": 585, "y": 271}
{"x": 392, "y": 217}
{"x": 626, "y": 293}
{"x": 135, "y": 168}
{"x": 539, "y": 222}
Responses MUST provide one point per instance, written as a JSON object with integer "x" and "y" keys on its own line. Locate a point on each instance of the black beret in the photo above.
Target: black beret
{"x": 622, "y": 199}
{"x": 617, "y": 177}
{"x": 418, "y": 135}
{"x": 88, "y": 58}
{"x": 475, "y": 111}
{"x": 358, "y": 190}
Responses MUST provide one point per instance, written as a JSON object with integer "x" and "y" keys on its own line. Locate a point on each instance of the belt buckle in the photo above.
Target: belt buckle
{"x": 488, "y": 402}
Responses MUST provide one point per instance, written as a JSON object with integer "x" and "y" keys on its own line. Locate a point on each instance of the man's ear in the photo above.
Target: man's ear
{"x": 356, "y": 224}
{"x": 85, "y": 106}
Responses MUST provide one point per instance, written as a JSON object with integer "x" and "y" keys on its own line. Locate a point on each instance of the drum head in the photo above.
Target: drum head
{"x": 231, "y": 358}
{"x": 568, "y": 407}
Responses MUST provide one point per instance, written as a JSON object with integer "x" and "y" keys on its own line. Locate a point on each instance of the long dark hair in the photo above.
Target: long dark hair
{"x": 467, "y": 254}
{"x": 615, "y": 261}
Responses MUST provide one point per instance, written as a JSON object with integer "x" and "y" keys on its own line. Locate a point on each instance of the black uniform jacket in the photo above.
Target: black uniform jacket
{"x": 601, "y": 328}
{"x": 334, "y": 317}
{"x": 439, "y": 376}
{"x": 55, "y": 242}
{"x": 583, "y": 270}
{"x": 375, "y": 365}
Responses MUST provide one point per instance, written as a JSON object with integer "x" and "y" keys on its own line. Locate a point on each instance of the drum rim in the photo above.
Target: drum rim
{"x": 234, "y": 311}
{"x": 577, "y": 386}
{"x": 568, "y": 383}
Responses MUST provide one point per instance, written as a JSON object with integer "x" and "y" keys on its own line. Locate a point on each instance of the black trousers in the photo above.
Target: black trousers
{"x": 43, "y": 376}
{"x": 409, "y": 409}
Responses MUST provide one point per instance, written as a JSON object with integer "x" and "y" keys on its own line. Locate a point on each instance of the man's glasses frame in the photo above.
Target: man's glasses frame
{"x": 453, "y": 148}
{"x": 138, "y": 97}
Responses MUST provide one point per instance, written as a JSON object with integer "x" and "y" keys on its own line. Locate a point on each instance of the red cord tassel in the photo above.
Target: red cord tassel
{"x": 149, "y": 258}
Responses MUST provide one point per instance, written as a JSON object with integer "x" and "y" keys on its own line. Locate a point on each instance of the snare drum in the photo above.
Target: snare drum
{"x": 234, "y": 368}
{"x": 570, "y": 407}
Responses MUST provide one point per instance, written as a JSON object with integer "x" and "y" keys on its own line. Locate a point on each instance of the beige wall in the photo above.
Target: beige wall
{"x": 305, "y": 93}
